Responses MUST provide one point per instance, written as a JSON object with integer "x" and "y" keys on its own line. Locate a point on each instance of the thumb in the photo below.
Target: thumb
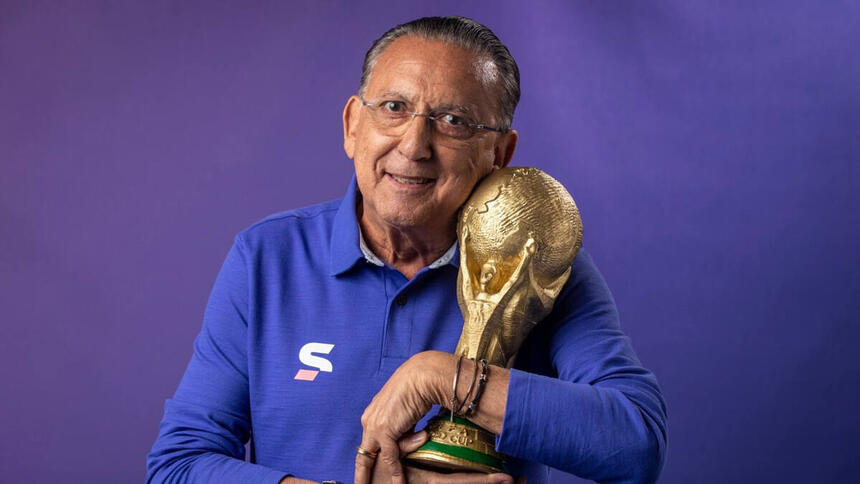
{"x": 411, "y": 442}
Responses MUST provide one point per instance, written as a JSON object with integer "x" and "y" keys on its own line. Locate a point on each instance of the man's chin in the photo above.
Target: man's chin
{"x": 407, "y": 220}
{"x": 413, "y": 218}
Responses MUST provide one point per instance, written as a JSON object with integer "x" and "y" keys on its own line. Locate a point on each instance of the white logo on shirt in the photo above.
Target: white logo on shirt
{"x": 307, "y": 357}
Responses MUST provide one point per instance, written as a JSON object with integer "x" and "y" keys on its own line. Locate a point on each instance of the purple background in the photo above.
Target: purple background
{"x": 713, "y": 148}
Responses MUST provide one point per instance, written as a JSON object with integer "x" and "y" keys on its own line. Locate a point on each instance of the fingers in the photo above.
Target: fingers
{"x": 389, "y": 457}
{"x": 471, "y": 478}
{"x": 420, "y": 476}
{"x": 364, "y": 463}
{"x": 411, "y": 442}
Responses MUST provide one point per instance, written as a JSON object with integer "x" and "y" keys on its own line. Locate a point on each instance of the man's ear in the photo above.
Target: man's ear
{"x": 505, "y": 147}
{"x": 350, "y": 123}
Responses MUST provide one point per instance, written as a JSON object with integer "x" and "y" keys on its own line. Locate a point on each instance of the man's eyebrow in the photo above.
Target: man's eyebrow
{"x": 442, "y": 107}
{"x": 395, "y": 95}
{"x": 453, "y": 107}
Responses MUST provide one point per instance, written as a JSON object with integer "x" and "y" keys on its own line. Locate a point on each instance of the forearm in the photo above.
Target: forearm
{"x": 609, "y": 432}
{"x": 212, "y": 467}
{"x": 194, "y": 446}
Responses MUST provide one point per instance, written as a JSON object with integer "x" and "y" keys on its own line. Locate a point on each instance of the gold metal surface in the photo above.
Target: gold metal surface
{"x": 448, "y": 463}
{"x": 519, "y": 234}
{"x": 457, "y": 434}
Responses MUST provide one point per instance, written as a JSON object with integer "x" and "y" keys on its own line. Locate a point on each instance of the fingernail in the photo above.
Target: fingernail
{"x": 418, "y": 437}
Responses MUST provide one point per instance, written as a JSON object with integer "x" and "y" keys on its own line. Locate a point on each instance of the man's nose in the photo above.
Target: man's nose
{"x": 415, "y": 143}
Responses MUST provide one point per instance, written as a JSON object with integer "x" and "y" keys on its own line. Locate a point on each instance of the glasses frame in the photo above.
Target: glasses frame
{"x": 433, "y": 117}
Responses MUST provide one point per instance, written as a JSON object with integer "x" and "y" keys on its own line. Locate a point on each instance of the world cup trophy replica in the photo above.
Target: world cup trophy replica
{"x": 519, "y": 234}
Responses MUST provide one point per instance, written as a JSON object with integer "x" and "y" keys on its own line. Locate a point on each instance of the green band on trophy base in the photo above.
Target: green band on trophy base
{"x": 465, "y": 454}
{"x": 458, "y": 446}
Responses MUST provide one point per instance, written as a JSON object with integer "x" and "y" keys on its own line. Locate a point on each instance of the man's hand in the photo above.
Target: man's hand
{"x": 422, "y": 381}
{"x": 403, "y": 400}
{"x": 410, "y": 443}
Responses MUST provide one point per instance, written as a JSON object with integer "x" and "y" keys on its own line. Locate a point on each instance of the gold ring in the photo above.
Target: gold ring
{"x": 368, "y": 453}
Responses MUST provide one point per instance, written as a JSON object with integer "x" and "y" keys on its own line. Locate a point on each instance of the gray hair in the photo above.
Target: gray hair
{"x": 466, "y": 33}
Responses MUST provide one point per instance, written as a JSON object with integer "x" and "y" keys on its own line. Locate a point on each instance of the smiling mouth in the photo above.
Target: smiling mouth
{"x": 410, "y": 180}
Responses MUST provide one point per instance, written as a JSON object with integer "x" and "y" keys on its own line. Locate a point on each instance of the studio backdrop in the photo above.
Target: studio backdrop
{"x": 712, "y": 147}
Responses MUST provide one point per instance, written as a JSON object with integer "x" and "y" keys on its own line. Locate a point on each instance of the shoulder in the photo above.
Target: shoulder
{"x": 586, "y": 290}
{"x": 311, "y": 224}
{"x": 584, "y": 269}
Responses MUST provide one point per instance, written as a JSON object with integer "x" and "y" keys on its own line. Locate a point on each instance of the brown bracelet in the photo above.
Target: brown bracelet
{"x": 482, "y": 380}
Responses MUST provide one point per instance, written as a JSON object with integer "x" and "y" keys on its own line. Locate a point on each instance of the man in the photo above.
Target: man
{"x": 332, "y": 326}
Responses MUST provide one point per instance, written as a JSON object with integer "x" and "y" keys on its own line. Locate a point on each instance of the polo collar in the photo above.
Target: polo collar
{"x": 346, "y": 241}
{"x": 345, "y": 251}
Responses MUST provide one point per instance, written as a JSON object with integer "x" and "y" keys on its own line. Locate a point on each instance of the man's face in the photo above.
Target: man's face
{"x": 419, "y": 179}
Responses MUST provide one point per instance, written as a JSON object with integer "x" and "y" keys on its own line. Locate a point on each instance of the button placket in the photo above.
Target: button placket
{"x": 400, "y": 312}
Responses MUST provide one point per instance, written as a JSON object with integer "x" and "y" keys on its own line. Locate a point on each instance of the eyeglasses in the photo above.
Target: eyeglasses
{"x": 392, "y": 118}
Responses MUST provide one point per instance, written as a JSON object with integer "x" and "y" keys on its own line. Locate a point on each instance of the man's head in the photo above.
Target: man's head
{"x": 501, "y": 70}
{"x": 412, "y": 172}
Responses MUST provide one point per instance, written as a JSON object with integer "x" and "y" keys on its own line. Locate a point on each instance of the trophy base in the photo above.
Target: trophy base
{"x": 458, "y": 446}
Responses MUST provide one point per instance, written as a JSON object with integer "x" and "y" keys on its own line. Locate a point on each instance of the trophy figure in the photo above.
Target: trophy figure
{"x": 519, "y": 233}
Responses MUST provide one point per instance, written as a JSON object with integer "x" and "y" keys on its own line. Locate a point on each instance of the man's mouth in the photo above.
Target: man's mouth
{"x": 410, "y": 180}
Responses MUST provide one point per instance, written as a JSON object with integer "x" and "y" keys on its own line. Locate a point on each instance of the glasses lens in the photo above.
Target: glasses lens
{"x": 389, "y": 119}
{"x": 456, "y": 131}
{"x": 392, "y": 120}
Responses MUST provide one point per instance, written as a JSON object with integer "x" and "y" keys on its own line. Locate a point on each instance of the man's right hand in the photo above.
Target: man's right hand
{"x": 410, "y": 443}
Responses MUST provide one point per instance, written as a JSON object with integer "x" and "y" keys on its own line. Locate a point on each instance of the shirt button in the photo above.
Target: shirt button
{"x": 400, "y": 300}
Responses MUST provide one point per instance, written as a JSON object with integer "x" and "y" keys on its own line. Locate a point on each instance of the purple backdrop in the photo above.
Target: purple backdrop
{"x": 712, "y": 147}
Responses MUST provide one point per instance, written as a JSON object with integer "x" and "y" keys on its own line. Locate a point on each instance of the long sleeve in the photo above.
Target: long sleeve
{"x": 207, "y": 422}
{"x": 603, "y": 418}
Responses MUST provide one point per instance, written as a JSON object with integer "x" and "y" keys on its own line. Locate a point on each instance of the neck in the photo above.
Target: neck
{"x": 407, "y": 249}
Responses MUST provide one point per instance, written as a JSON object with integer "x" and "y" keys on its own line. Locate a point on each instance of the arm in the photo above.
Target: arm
{"x": 207, "y": 422}
{"x": 604, "y": 411}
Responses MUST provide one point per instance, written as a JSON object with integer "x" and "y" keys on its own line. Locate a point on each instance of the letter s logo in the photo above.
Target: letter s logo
{"x": 306, "y": 356}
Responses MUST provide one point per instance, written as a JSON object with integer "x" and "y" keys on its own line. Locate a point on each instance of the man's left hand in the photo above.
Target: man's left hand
{"x": 406, "y": 397}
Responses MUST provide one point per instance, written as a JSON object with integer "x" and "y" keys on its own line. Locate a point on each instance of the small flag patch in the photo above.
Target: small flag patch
{"x": 306, "y": 375}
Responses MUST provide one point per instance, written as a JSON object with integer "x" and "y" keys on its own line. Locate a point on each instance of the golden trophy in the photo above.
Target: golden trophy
{"x": 519, "y": 233}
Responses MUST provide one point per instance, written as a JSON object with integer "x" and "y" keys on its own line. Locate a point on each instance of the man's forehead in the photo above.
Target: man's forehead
{"x": 446, "y": 74}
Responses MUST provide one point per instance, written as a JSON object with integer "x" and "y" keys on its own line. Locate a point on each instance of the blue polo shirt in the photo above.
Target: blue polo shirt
{"x": 302, "y": 329}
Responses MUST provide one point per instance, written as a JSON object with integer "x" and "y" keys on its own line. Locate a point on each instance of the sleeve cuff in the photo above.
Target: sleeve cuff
{"x": 519, "y": 390}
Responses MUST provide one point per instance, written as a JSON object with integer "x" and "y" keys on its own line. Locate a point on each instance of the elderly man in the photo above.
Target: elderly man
{"x": 330, "y": 328}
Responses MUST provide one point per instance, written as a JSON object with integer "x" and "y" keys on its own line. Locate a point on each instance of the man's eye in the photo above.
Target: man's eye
{"x": 451, "y": 119}
{"x": 393, "y": 106}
